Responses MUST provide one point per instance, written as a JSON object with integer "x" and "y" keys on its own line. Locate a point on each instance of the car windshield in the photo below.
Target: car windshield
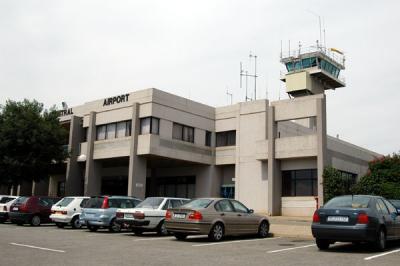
{"x": 21, "y": 200}
{"x": 348, "y": 202}
{"x": 95, "y": 203}
{"x": 64, "y": 202}
{"x": 6, "y": 199}
{"x": 197, "y": 204}
{"x": 150, "y": 203}
{"x": 396, "y": 203}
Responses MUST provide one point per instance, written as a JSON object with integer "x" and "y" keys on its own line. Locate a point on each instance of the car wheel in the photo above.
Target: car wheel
{"x": 322, "y": 244}
{"x": 217, "y": 232}
{"x": 75, "y": 223}
{"x": 114, "y": 227}
{"x": 380, "y": 242}
{"x": 162, "y": 230}
{"x": 2, "y": 221}
{"x": 35, "y": 221}
{"x": 180, "y": 236}
{"x": 263, "y": 229}
{"x": 92, "y": 228}
{"x": 60, "y": 225}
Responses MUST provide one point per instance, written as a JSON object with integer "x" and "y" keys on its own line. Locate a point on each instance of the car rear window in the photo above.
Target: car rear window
{"x": 6, "y": 199}
{"x": 197, "y": 204}
{"x": 21, "y": 200}
{"x": 94, "y": 203}
{"x": 348, "y": 202}
{"x": 396, "y": 203}
{"x": 65, "y": 202}
{"x": 150, "y": 203}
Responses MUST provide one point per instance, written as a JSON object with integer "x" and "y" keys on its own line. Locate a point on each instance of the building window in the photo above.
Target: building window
{"x": 208, "y": 138}
{"x": 114, "y": 130}
{"x": 349, "y": 179}
{"x": 149, "y": 125}
{"x": 226, "y": 138}
{"x": 299, "y": 183}
{"x": 182, "y": 132}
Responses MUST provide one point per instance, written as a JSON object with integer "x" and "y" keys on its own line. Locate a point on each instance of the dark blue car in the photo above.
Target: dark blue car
{"x": 356, "y": 218}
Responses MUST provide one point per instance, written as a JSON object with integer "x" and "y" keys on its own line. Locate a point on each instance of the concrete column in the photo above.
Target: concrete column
{"x": 41, "y": 188}
{"x": 322, "y": 145}
{"x": 274, "y": 173}
{"x": 73, "y": 185}
{"x": 208, "y": 181}
{"x": 92, "y": 170}
{"x": 137, "y": 164}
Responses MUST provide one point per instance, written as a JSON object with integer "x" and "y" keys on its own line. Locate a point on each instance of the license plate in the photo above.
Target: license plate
{"x": 128, "y": 215}
{"x": 340, "y": 219}
{"x": 179, "y": 215}
{"x": 15, "y": 209}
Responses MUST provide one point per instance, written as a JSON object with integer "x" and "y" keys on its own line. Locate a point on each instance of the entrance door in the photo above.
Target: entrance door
{"x": 114, "y": 185}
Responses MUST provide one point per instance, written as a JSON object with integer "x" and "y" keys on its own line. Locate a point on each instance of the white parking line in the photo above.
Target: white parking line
{"x": 382, "y": 254}
{"x": 29, "y": 246}
{"x": 236, "y": 241}
{"x": 153, "y": 238}
{"x": 286, "y": 249}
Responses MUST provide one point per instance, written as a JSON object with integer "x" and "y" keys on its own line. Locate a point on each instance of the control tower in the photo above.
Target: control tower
{"x": 312, "y": 70}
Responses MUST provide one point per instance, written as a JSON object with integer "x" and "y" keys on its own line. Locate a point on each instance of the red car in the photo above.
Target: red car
{"x": 32, "y": 210}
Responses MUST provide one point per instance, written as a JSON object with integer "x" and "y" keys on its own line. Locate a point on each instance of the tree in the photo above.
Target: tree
{"x": 31, "y": 141}
{"x": 335, "y": 184}
{"x": 383, "y": 177}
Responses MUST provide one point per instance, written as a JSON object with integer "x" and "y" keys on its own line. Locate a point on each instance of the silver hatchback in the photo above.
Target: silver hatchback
{"x": 100, "y": 211}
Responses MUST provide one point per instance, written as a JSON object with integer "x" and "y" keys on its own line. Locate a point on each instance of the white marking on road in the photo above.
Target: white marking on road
{"x": 382, "y": 254}
{"x": 286, "y": 249}
{"x": 236, "y": 241}
{"x": 29, "y": 246}
{"x": 153, "y": 238}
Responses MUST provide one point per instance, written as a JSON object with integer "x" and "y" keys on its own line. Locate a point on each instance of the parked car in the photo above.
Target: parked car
{"x": 396, "y": 203}
{"x": 34, "y": 210}
{"x": 67, "y": 211}
{"x": 149, "y": 215}
{"x": 100, "y": 211}
{"x": 356, "y": 218}
{"x": 216, "y": 218}
{"x": 5, "y": 204}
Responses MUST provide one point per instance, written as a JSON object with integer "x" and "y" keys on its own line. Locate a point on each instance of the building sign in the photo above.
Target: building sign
{"x": 66, "y": 112}
{"x": 117, "y": 99}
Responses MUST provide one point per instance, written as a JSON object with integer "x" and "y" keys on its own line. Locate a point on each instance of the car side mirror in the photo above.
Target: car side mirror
{"x": 251, "y": 211}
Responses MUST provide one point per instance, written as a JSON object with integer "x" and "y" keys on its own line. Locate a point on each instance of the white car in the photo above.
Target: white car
{"x": 5, "y": 203}
{"x": 149, "y": 215}
{"x": 67, "y": 211}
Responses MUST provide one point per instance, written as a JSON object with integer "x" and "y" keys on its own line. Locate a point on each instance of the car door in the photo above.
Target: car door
{"x": 225, "y": 212}
{"x": 245, "y": 222}
{"x": 395, "y": 216}
{"x": 44, "y": 205}
{"x": 387, "y": 218}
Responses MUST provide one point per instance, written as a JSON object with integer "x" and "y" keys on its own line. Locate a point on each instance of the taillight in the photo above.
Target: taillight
{"x": 138, "y": 215}
{"x": 23, "y": 208}
{"x": 168, "y": 215}
{"x": 64, "y": 212}
{"x": 105, "y": 203}
{"x": 53, "y": 212}
{"x": 119, "y": 215}
{"x": 362, "y": 218}
{"x": 315, "y": 217}
{"x": 195, "y": 215}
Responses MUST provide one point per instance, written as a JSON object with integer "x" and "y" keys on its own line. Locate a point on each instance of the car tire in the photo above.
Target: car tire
{"x": 217, "y": 232}
{"x": 380, "y": 242}
{"x": 114, "y": 227}
{"x": 35, "y": 220}
{"x": 322, "y": 244}
{"x": 263, "y": 229}
{"x": 75, "y": 223}
{"x": 92, "y": 228}
{"x": 180, "y": 236}
{"x": 162, "y": 230}
{"x": 60, "y": 225}
{"x": 2, "y": 221}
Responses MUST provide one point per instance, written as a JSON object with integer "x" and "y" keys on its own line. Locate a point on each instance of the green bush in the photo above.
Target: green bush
{"x": 335, "y": 184}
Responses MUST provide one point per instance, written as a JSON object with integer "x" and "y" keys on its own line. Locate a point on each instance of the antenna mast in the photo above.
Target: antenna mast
{"x": 245, "y": 73}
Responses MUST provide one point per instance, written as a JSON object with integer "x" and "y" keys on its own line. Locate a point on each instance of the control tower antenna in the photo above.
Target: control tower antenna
{"x": 230, "y": 95}
{"x": 245, "y": 73}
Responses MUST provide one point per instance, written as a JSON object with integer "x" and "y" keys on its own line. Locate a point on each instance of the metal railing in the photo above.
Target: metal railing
{"x": 335, "y": 56}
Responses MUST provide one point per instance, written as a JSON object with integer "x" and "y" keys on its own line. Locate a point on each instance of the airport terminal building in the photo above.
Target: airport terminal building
{"x": 269, "y": 155}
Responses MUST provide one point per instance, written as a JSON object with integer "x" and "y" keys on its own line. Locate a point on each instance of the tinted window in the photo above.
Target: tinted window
{"x": 223, "y": 206}
{"x": 396, "y": 203}
{"x": 239, "y": 207}
{"x": 21, "y": 200}
{"x": 198, "y": 204}
{"x": 83, "y": 203}
{"x": 391, "y": 208}
{"x": 382, "y": 206}
{"x": 348, "y": 202}
{"x": 150, "y": 203}
{"x": 176, "y": 203}
{"x": 65, "y": 202}
{"x": 114, "y": 203}
{"x": 46, "y": 202}
{"x": 94, "y": 202}
{"x": 6, "y": 199}
{"x": 167, "y": 205}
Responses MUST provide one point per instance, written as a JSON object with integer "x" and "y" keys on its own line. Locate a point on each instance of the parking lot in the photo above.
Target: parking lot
{"x": 48, "y": 245}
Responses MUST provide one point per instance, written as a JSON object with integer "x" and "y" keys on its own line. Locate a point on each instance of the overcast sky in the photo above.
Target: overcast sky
{"x": 79, "y": 51}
